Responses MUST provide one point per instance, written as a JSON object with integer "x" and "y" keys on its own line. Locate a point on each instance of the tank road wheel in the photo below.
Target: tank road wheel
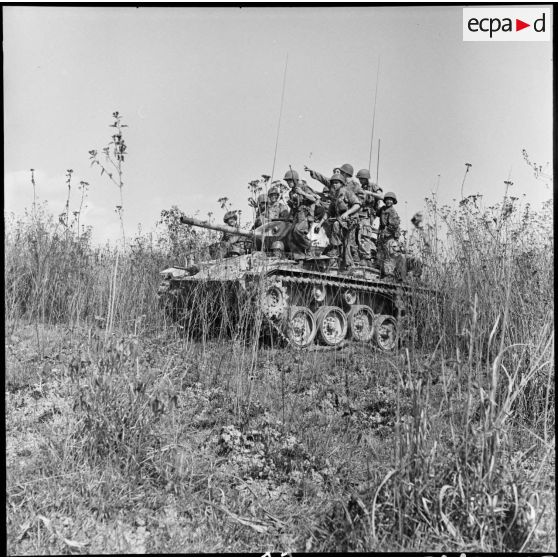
{"x": 361, "y": 323}
{"x": 273, "y": 299}
{"x": 385, "y": 332}
{"x": 319, "y": 293}
{"x": 349, "y": 297}
{"x": 332, "y": 324}
{"x": 300, "y": 326}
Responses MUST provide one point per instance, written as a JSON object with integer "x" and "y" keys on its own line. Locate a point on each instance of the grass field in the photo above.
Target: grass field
{"x": 124, "y": 436}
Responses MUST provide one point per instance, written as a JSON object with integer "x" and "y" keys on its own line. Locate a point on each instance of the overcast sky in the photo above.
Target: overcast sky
{"x": 200, "y": 89}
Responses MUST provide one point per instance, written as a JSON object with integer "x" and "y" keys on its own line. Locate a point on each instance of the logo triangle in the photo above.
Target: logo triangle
{"x": 519, "y": 25}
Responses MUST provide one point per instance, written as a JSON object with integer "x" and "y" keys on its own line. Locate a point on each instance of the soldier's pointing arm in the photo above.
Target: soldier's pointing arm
{"x": 319, "y": 177}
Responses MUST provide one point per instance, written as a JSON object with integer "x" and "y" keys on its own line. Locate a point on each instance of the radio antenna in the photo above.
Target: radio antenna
{"x": 280, "y": 116}
{"x": 374, "y": 113}
{"x": 378, "y": 162}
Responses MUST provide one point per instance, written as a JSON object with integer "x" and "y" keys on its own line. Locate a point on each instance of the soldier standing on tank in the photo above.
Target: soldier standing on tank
{"x": 233, "y": 243}
{"x": 388, "y": 246}
{"x": 342, "y": 220}
{"x": 346, "y": 170}
{"x": 324, "y": 197}
{"x": 276, "y": 209}
{"x": 371, "y": 198}
{"x": 261, "y": 211}
{"x": 302, "y": 202}
{"x": 374, "y": 194}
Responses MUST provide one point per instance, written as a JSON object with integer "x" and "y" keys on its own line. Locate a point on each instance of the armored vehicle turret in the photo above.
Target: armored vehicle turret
{"x": 300, "y": 301}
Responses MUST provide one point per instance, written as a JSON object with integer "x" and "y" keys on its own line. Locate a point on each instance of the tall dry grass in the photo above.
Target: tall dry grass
{"x": 55, "y": 274}
{"x": 459, "y": 478}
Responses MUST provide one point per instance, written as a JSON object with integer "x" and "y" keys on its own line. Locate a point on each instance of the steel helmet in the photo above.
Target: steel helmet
{"x": 392, "y": 196}
{"x": 278, "y": 245}
{"x": 262, "y": 198}
{"x": 273, "y": 190}
{"x": 230, "y": 215}
{"x": 363, "y": 173}
{"x": 347, "y": 169}
{"x": 338, "y": 176}
{"x": 417, "y": 218}
{"x": 291, "y": 175}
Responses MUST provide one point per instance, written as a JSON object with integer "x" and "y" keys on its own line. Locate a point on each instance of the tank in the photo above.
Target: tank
{"x": 308, "y": 302}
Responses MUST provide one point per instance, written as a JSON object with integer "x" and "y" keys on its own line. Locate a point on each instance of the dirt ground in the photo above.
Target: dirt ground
{"x": 204, "y": 469}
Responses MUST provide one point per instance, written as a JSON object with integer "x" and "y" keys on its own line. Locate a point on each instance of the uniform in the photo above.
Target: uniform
{"x": 277, "y": 210}
{"x": 349, "y": 182}
{"x": 232, "y": 243}
{"x": 340, "y": 233}
{"x": 366, "y": 245}
{"x": 419, "y": 247}
{"x": 388, "y": 246}
{"x": 302, "y": 215}
{"x": 261, "y": 210}
{"x": 420, "y": 241}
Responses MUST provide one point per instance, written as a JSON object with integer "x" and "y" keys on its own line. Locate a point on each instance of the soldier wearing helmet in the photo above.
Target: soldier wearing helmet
{"x": 278, "y": 249}
{"x": 276, "y": 209}
{"x": 371, "y": 200}
{"x": 302, "y": 202}
{"x": 371, "y": 188}
{"x": 388, "y": 246}
{"x": 232, "y": 243}
{"x": 231, "y": 219}
{"x": 261, "y": 211}
{"x": 420, "y": 244}
{"x": 346, "y": 170}
{"x": 262, "y": 202}
{"x": 342, "y": 219}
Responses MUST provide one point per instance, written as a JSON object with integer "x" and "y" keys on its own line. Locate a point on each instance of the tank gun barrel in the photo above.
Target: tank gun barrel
{"x": 271, "y": 230}
{"x": 214, "y": 227}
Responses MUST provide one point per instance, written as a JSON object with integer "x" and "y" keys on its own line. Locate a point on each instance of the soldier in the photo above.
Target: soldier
{"x": 388, "y": 246}
{"x": 420, "y": 240}
{"x": 346, "y": 170}
{"x": 276, "y": 209}
{"x": 233, "y": 243}
{"x": 278, "y": 249}
{"x": 420, "y": 244}
{"x": 302, "y": 201}
{"x": 342, "y": 219}
{"x": 374, "y": 194}
{"x": 371, "y": 198}
{"x": 261, "y": 211}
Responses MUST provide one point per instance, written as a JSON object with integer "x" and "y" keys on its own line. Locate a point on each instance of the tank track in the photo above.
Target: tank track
{"x": 307, "y": 277}
{"x": 389, "y": 297}
{"x": 391, "y": 291}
